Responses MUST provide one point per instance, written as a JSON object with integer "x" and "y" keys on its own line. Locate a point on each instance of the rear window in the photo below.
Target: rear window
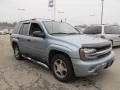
{"x": 93, "y": 30}
{"x": 112, "y": 30}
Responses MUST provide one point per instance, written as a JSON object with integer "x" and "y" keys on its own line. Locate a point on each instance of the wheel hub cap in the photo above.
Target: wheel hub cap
{"x": 60, "y": 68}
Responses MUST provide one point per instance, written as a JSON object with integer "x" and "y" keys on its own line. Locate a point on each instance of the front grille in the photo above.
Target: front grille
{"x": 106, "y": 49}
{"x": 102, "y": 50}
{"x": 104, "y": 55}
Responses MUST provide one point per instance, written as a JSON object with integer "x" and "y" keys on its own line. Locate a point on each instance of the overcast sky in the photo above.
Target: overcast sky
{"x": 76, "y": 11}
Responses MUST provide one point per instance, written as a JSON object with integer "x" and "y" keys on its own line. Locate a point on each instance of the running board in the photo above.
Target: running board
{"x": 34, "y": 61}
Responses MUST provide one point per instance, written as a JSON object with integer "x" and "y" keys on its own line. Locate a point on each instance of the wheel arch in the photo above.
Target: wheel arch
{"x": 14, "y": 43}
{"x": 54, "y": 52}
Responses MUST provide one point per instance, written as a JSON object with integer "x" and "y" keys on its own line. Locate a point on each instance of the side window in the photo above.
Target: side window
{"x": 24, "y": 29}
{"x": 34, "y": 27}
{"x": 17, "y": 28}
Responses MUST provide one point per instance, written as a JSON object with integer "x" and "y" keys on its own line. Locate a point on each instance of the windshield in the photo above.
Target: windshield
{"x": 59, "y": 28}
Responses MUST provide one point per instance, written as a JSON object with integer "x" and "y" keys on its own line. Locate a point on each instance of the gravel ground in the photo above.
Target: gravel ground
{"x": 25, "y": 75}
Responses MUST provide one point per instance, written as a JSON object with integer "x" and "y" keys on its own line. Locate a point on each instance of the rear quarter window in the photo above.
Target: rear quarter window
{"x": 17, "y": 28}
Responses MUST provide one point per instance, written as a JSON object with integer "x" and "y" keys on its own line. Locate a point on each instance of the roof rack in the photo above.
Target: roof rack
{"x": 24, "y": 20}
{"x": 36, "y": 19}
{"x": 39, "y": 19}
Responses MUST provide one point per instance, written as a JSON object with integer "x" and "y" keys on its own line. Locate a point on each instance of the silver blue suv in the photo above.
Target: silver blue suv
{"x": 62, "y": 48}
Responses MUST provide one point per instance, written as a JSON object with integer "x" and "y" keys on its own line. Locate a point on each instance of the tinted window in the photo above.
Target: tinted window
{"x": 24, "y": 29}
{"x": 34, "y": 27}
{"x": 93, "y": 30}
{"x": 17, "y": 28}
{"x": 112, "y": 30}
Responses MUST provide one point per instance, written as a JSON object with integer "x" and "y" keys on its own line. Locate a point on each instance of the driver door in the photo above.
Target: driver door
{"x": 37, "y": 45}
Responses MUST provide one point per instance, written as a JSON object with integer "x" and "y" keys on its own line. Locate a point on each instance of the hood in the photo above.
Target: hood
{"x": 81, "y": 40}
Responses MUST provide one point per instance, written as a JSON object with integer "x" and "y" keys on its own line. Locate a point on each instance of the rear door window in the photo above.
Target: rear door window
{"x": 24, "y": 29}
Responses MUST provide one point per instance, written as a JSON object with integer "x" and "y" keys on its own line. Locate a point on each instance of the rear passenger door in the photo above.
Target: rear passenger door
{"x": 23, "y": 38}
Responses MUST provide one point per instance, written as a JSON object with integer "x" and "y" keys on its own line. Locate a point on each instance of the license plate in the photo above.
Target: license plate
{"x": 101, "y": 67}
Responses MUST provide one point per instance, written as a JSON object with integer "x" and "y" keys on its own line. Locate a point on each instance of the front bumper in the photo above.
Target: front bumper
{"x": 85, "y": 68}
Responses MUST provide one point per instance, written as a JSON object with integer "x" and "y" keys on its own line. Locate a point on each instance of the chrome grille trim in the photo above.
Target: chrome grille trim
{"x": 100, "y": 52}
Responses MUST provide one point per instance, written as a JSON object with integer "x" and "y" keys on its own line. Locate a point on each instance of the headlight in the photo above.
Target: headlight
{"x": 84, "y": 52}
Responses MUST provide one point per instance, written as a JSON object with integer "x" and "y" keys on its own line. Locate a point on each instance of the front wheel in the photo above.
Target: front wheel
{"x": 62, "y": 68}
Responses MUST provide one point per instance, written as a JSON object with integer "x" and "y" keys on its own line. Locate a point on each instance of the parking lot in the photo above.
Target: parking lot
{"x": 25, "y": 75}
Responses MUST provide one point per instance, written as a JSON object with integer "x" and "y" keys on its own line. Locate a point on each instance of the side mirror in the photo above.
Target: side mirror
{"x": 38, "y": 34}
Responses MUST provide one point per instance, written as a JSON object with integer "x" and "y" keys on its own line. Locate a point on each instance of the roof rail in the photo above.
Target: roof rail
{"x": 24, "y": 20}
{"x": 33, "y": 19}
{"x": 36, "y": 19}
{"x": 39, "y": 18}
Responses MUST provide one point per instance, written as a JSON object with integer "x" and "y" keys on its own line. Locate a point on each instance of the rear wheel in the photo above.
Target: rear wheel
{"x": 17, "y": 53}
{"x": 62, "y": 68}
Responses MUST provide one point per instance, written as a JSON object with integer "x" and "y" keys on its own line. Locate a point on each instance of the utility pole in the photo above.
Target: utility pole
{"x": 52, "y": 5}
{"x": 102, "y": 12}
{"x": 102, "y": 6}
{"x": 54, "y": 10}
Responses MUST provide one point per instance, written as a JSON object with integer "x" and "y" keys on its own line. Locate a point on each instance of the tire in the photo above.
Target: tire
{"x": 17, "y": 53}
{"x": 62, "y": 68}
